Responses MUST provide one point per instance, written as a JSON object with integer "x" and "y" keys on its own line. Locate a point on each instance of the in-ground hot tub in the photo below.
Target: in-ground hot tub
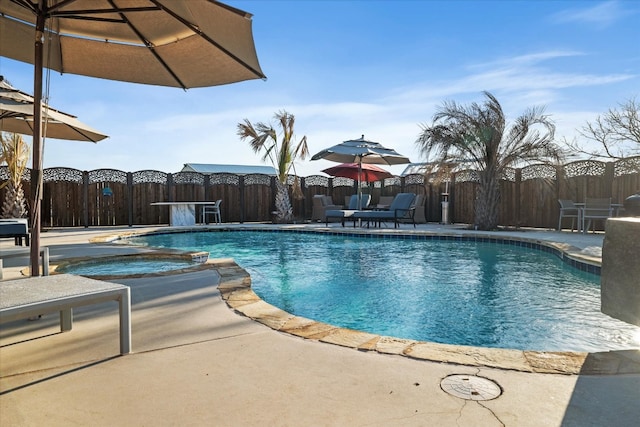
{"x": 133, "y": 265}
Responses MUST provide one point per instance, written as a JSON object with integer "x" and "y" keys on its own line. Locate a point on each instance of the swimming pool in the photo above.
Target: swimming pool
{"x": 456, "y": 292}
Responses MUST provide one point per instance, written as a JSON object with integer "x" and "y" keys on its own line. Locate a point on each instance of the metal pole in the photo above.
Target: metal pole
{"x": 36, "y": 170}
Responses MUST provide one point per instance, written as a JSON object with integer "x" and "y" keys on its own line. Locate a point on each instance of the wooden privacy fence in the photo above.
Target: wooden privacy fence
{"x": 107, "y": 197}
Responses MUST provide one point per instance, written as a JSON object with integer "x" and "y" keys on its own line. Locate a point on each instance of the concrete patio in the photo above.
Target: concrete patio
{"x": 195, "y": 361}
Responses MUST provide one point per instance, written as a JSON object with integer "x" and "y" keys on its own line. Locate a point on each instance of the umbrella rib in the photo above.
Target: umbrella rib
{"x": 150, "y": 46}
{"x": 26, "y": 4}
{"x": 197, "y": 30}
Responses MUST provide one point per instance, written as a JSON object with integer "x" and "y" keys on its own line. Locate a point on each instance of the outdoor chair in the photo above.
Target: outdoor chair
{"x": 352, "y": 207}
{"x": 384, "y": 202}
{"x": 321, "y": 204}
{"x": 569, "y": 210}
{"x": 214, "y": 209}
{"x": 595, "y": 209}
{"x": 18, "y": 228}
{"x": 402, "y": 207}
{"x": 353, "y": 201}
{"x": 418, "y": 205}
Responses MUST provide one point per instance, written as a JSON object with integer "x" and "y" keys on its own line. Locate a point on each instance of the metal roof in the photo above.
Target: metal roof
{"x": 235, "y": 169}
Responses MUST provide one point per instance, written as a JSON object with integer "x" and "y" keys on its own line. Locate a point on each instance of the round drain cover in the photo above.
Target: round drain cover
{"x": 470, "y": 387}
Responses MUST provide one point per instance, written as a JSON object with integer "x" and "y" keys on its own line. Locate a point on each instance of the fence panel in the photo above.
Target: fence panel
{"x": 529, "y": 195}
{"x": 259, "y": 198}
{"x": 107, "y": 197}
{"x": 226, "y": 187}
{"x": 61, "y": 204}
{"x": 62, "y": 198}
{"x": 463, "y": 195}
{"x": 142, "y": 195}
{"x": 107, "y": 204}
{"x": 626, "y": 179}
{"x": 146, "y": 187}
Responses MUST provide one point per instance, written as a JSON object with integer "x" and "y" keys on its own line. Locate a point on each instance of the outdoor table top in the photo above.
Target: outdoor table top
{"x": 33, "y": 296}
{"x": 33, "y": 290}
{"x": 182, "y": 203}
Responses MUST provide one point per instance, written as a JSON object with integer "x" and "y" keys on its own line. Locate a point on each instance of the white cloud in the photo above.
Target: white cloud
{"x": 601, "y": 15}
{"x": 391, "y": 116}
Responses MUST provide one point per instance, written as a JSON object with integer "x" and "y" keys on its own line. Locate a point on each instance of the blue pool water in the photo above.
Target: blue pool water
{"x": 482, "y": 294}
{"x": 125, "y": 267}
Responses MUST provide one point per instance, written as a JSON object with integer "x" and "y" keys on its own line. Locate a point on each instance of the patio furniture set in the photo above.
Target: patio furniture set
{"x": 184, "y": 213}
{"x": 587, "y": 213}
{"x": 402, "y": 207}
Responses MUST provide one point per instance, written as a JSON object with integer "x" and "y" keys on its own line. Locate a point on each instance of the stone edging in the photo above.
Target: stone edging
{"x": 198, "y": 258}
{"x": 235, "y": 289}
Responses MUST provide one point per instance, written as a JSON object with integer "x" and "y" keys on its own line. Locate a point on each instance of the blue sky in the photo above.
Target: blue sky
{"x": 347, "y": 68}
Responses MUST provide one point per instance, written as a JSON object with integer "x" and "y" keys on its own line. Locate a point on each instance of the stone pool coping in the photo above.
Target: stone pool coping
{"x": 235, "y": 290}
{"x": 200, "y": 258}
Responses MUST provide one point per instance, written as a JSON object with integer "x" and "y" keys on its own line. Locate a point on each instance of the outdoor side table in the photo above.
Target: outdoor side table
{"x": 24, "y": 298}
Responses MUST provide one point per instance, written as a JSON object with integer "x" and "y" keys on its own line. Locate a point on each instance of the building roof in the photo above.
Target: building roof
{"x": 414, "y": 168}
{"x": 235, "y": 169}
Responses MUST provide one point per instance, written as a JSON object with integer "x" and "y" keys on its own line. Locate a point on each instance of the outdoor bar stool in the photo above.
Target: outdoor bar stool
{"x": 214, "y": 210}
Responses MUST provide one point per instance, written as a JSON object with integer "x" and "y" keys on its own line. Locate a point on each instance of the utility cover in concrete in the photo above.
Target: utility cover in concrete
{"x": 470, "y": 387}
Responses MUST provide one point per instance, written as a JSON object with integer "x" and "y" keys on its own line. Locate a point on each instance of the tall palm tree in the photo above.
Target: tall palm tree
{"x": 263, "y": 137}
{"x": 14, "y": 151}
{"x": 478, "y": 135}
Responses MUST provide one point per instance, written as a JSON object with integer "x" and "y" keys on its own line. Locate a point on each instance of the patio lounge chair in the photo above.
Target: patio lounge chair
{"x": 384, "y": 202}
{"x": 322, "y": 204}
{"x": 18, "y": 228}
{"x": 344, "y": 214}
{"x": 401, "y": 207}
{"x": 568, "y": 210}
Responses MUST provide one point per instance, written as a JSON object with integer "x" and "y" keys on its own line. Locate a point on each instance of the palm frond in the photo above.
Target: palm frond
{"x": 478, "y": 135}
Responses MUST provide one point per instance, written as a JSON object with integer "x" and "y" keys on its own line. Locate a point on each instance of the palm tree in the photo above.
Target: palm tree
{"x": 478, "y": 135}
{"x": 15, "y": 153}
{"x": 263, "y": 137}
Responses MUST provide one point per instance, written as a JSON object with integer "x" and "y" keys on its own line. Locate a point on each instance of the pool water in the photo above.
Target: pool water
{"x": 123, "y": 267}
{"x": 455, "y": 292}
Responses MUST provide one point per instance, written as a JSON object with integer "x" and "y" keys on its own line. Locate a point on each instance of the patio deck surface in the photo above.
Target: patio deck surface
{"x": 195, "y": 361}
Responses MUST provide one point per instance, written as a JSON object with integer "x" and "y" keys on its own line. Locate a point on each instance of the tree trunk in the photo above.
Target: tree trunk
{"x": 488, "y": 204}
{"x": 283, "y": 203}
{"x": 14, "y": 205}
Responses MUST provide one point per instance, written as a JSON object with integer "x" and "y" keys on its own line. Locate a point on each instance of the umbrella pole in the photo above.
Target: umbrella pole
{"x": 36, "y": 169}
{"x": 359, "y": 185}
{"x": 359, "y": 193}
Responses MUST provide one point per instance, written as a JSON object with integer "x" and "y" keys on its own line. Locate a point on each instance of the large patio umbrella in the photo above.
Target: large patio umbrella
{"x": 359, "y": 172}
{"x": 16, "y": 115}
{"x": 184, "y": 44}
{"x": 361, "y": 151}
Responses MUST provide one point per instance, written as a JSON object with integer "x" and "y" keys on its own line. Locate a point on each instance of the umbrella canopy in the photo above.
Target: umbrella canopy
{"x": 185, "y": 44}
{"x": 16, "y": 115}
{"x": 359, "y": 172}
{"x": 361, "y": 151}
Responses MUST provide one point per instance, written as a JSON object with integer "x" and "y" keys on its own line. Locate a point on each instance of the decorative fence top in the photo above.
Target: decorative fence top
{"x": 621, "y": 167}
